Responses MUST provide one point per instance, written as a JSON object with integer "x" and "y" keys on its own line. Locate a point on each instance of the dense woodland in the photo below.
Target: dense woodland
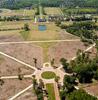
{"x": 16, "y": 4}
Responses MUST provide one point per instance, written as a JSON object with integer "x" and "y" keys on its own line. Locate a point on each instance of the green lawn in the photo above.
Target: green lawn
{"x": 24, "y": 34}
{"x": 45, "y": 47}
{"x": 48, "y": 75}
{"x": 80, "y": 10}
{"x": 50, "y": 90}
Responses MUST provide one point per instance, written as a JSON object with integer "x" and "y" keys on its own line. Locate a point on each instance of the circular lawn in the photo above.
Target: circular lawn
{"x": 48, "y": 75}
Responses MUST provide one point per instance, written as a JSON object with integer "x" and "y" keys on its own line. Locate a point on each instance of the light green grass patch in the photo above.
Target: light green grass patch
{"x": 48, "y": 75}
{"x": 50, "y": 90}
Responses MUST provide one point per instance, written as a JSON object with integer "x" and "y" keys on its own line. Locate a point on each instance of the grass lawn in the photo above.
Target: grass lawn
{"x": 24, "y": 34}
{"x": 50, "y": 89}
{"x": 83, "y": 10}
{"x": 45, "y": 47}
{"x": 20, "y": 12}
{"x": 53, "y": 10}
{"x": 52, "y": 33}
{"x": 48, "y": 75}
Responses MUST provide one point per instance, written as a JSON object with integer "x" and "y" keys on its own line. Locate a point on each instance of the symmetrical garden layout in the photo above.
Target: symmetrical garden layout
{"x": 18, "y": 57}
{"x": 28, "y": 54}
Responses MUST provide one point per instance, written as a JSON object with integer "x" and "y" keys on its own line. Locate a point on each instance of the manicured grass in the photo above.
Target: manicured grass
{"x": 45, "y": 47}
{"x": 24, "y": 34}
{"x": 48, "y": 75}
{"x": 80, "y": 10}
{"x": 20, "y": 12}
{"x": 50, "y": 90}
{"x": 53, "y": 10}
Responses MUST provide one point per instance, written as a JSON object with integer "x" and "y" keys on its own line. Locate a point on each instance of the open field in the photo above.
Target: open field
{"x": 52, "y": 33}
{"x": 65, "y": 50}
{"x": 92, "y": 88}
{"x": 21, "y": 12}
{"x": 12, "y": 68}
{"x": 28, "y": 95}
{"x": 24, "y": 52}
{"x": 53, "y": 11}
{"x": 12, "y": 87}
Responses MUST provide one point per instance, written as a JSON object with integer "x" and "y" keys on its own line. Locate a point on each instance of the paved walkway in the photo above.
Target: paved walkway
{"x": 57, "y": 96}
{"x": 37, "y": 72}
{"x": 15, "y": 77}
{"x": 28, "y": 42}
{"x": 89, "y": 48}
{"x": 17, "y": 60}
{"x": 21, "y": 92}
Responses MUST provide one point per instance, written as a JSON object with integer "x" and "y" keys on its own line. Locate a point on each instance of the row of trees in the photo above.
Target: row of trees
{"x": 38, "y": 88}
{"x": 10, "y": 18}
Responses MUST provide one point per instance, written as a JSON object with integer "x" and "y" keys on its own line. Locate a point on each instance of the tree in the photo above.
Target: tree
{"x": 57, "y": 78}
{"x": 26, "y": 27}
{"x": 1, "y": 82}
{"x": 20, "y": 75}
{"x": 35, "y": 62}
{"x": 34, "y": 81}
{"x": 52, "y": 61}
{"x": 64, "y": 63}
{"x": 68, "y": 86}
{"x": 80, "y": 95}
{"x": 69, "y": 82}
{"x": 58, "y": 22}
{"x": 41, "y": 83}
{"x": 96, "y": 75}
{"x": 85, "y": 71}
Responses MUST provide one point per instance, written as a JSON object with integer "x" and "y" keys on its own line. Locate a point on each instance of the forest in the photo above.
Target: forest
{"x": 17, "y": 4}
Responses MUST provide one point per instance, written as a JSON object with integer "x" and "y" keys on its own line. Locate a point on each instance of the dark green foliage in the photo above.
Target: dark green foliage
{"x": 10, "y": 18}
{"x": 68, "y": 87}
{"x": 64, "y": 63}
{"x": 96, "y": 75}
{"x": 17, "y": 4}
{"x": 69, "y": 82}
{"x": 80, "y": 95}
{"x": 26, "y": 27}
{"x": 1, "y": 82}
{"x": 38, "y": 88}
{"x": 82, "y": 29}
{"x": 84, "y": 67}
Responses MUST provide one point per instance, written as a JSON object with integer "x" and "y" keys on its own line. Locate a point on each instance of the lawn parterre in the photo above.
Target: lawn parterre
{"x": 48, "y": 75}
{"x": 50, "y": 89}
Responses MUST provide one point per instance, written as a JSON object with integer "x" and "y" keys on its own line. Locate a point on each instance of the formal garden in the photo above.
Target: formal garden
{"x": 50, "y": 49}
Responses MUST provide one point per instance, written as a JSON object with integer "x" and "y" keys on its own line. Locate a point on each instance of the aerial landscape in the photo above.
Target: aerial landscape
{"x": 48, "y": 49}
